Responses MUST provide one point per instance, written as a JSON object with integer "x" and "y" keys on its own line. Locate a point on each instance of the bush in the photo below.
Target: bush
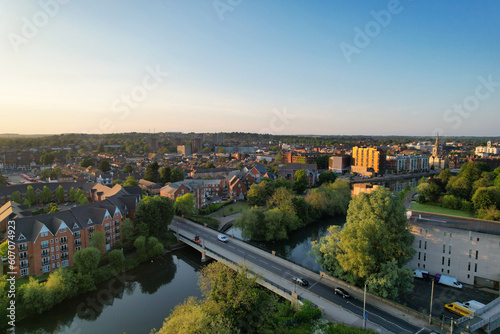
{"x": 116, "y": 259}
{"x": 467, "y": 206}
{"x": 213, "y": 207}
{"x": 451, "y": 202}
{"x": 308, "y": 312}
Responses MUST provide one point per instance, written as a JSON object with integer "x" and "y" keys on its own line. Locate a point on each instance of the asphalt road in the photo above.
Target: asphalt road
{"x": 375, "y": 315}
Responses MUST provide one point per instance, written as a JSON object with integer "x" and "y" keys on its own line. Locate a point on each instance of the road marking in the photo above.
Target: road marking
{"x": 264, "y": 262}
{"x": 420, "y": 330}
{"x": 275, "y": 267}
{"x": 251, "y": 256}
{"x": 376, "y": 315}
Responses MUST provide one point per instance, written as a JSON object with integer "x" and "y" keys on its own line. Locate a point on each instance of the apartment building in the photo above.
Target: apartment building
{"x": 201, "y": 189}
{"x": 467, "y": 249}
{"x": 368, "y": 161}
{"x": 407, "y": 163}
{"x": 46, "y": 242}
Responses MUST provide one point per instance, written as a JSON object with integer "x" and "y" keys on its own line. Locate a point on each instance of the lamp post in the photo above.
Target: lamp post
{"x": 432, "y": 296}
{"x": 364, "y": 307}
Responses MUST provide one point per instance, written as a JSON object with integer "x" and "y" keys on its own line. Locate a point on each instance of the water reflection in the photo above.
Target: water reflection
{"x": 133, "y": 302}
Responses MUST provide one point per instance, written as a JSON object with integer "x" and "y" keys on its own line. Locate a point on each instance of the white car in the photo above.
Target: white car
{"x": 222, "y": 238}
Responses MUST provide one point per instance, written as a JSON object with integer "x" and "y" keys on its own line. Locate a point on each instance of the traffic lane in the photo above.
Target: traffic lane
{"x": 378, "y": 316}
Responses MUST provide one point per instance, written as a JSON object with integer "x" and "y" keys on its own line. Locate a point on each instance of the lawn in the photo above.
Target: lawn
{"x": 437, "y": 209}
{"x": 232, "y": 209}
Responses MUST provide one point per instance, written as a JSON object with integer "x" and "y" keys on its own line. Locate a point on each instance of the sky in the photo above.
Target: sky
{"x": 278, "y": 67}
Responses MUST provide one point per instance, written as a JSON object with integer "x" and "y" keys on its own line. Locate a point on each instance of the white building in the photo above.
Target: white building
{"x": 485, "y": 151}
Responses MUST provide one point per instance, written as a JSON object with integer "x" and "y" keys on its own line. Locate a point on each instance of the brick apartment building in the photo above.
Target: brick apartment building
{"x": 201, "y": 189}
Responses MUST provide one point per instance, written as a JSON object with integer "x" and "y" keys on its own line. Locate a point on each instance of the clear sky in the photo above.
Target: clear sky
{"x": 282, "y": 67}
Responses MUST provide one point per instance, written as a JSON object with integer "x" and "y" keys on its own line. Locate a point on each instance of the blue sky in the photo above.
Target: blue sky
{"x": 256, "y": 66}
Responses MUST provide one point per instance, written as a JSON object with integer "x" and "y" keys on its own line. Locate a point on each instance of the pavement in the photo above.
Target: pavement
{"x": 381, "y": 318}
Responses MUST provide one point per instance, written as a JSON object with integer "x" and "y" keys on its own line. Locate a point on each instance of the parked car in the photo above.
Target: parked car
{"x": 300, "y": 281}
{"x": 222, "y": 238}
{"x": 342, "y": 292}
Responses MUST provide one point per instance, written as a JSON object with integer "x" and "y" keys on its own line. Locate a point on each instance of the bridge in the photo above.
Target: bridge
{"x": 275, "y": 273}
{"x": 487, "y": 318}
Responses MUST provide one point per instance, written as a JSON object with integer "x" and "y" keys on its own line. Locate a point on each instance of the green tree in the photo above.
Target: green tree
{"x": 451, "y": 202}
{"x": 104, "y": 165}
{"x": 116, "y": 259}
{"x": 45, "y": 174}
{"x": 128, "y": 169}
{"x": 330, "y": 199}
{"x": 82, "y": 200}
{"x": 14, "y": 197}
{"x": 100, "y": 148}
{"x": 322, "y": 161}
{"x": 428, "y": 192}
{"x": 278, "y": 157}
{"x": 300, "y": 182}
{"x": 459, "y": 187}
{"x": 87, "y": 162}
{"x": 140, "y": 246}
{"x": 257, "y": 194}
{"x": 165, "y": 174}
{"x": 130, "y": 181}
{"x": 60, "y": 194}
{"x": 33, "y": 298}
{"x": 61, "y": 285}
{"x": 117, "y": 181}
{"x": 206, "y": 150}
{"x": 98, "y": 240}
{"x": 4, "y": 248}
{"x": 375, "y": 235}
{"x": 156, "y": 213}
{"x": 252, "y": 224}
{"x": 52, "y": 207}
{"x": 176, "y": 175}
{"x": 185, "y": 205}
{"x": 326, "y": 177}
{"x": 154, "y": 248}
{"x": 30, "y": 196}
{"x": 152, "y": 173}
{"x": 445, "y": 176}
{"x": 128, "y": 232}
{"x": 47, "y": 158}
{"x": 3, "y": 181}
{"x": 484, "y": 198}
{"x": 46, "y": 195}
{"x": 72, "y": 195}
{"x": 86, "y": 260}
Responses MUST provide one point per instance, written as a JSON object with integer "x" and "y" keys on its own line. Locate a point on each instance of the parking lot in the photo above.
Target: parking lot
{"x": 419, "y": 299}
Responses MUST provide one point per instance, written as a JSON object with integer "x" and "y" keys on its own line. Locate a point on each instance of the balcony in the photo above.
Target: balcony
{"x": 63, "y": 241}
{"x": 64, "y": 257}
{"x": 44, "y": 245}
{"x": 23, "y": 247}
{"x": 77, "y": 235}
{"x": 23, "y": 256}
{"x": 45, "y": 253}
{"x": 107, "y": 233}
{"x": 78, "y": 242}
{"x": 24, "y": 265}
{"x": 64, "y": 248}
{"x": 44, "y": 263}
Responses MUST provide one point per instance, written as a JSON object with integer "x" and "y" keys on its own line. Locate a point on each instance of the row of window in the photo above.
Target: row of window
{"x": 46, "y": 268}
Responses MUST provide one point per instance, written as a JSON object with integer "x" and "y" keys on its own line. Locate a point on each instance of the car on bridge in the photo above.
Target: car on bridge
{"x": 300, "y": 281}
{"x": 222, "y": 238}
{"x": 342, "y": 292}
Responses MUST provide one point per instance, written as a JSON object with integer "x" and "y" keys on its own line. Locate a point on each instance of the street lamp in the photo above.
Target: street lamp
{"x": 432, "y": 296}
{"x": 364, "y": 307}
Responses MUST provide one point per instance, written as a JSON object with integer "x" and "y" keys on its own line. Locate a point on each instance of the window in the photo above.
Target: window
{"x": 442, "y": 262}
{"x": 424, "y": 266}
{"x": 420, "y": 244}
{"x": 23, "y": 247}
{"x": 23, "y": 264}
{"x": 444, "y": 249}
{"x": 64, "y": 240}
{"x": 23, "y": 255}
{"x": 45, "y": 252}
{"x": 46, "y": 260}
{"x": 57, "y": 240}
{"x": 449, "y": 250}
{"x": 64, "y": 263}
{"x": 477, "y": 254}
{"x": 425, "y": 256}
{"x": 62, "y": 230}
{"x": 58, "y": 264}
{"x": 46, "y": 269}
{"x": 425, "y": 245}
{"x": 64, "y": 248}
{"x": 57, "y": 256}
{"x": 77, "y": 248}
{"x": 419, "y": 256}
{"x": 451, "y": 234}
{"x": 51, "y": 241}
{"x": 475, "y": 267}
{"x": 442, "y": 270}
{"x": 468, "y": 268}
{"x": 445, "y": 234}
{"x": 77, "y": 234}
{"x": 468, "y": 276}
{"x": 57, "y": 248}
{"x": 52, "y": 249}
{"x": 448, "y": 271}
{"x": 64, "y": 256}
{"x": 106, "y": 227}
{"x": 418, "y": 264}
{"x": 78, "y": 242}
{"x": 449, "y": 260}
{"x": 44, "y": 244}
{"x": 25, "y": 272}
{"x": 91, "y": 229}
{"x": 44, "y": 234}
{"x": 470, "y": 253}
{"x": 477, "y": 239}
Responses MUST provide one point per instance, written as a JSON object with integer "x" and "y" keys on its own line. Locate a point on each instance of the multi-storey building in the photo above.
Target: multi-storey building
{"x": 368, "y": 161}
{"x": 467, "y": 249}
{"x": 340, "y": 164}
{"x": 201, "y": 189}
{"x": 46, "y": 242}
{"x": 407, "y": 163}
{"x": 485, "y": 151}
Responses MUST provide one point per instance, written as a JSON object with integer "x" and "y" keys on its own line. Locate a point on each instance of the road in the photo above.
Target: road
{"x": 378, "y": 318}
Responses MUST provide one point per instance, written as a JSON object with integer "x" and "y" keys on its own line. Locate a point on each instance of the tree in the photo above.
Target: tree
{"x": 176, "y": 175}
{"x": 3, "y": 181}
{"x": 278, "y": 157}
{"x": 165, "y": 174}
{"x": 252, "y": 224}
{"x": 140, "y": 246}
{"x": 82, "y": 200}
{"x": 87, "y": 162}
{"x": 47, "y": 158}
{"x": 117, "y": 181}
{"x": 300, "y": 182}
{"x": 326, "y": 177}
{"x": 72, "y": 194}
{"x": 130, "y": 182}
{"x": 257, "y": 194}
{"x": 451, "y": 202}
{"x": 45, "y": 195}
{"x": 128, "y": 169}
{"x": 116, "y": 259}
{"x": 45, "y": 174}
{"x": 185, "y": 205}
{"x": 460, "y": 187}
{"x": 375, "y": 238}
{"x": 15, "y": 197}
{"x": 30, "y": 196}
{"x": 152, "y": 173}
{"x": 52, "y": 207}
{"x": 322, "y": 161}
{"x": 445, "y": 176}
{"x": 428, "y": 192}
{"x": 104, "y": 165}
{"x": 484, "y": 198}
{"x": 154, "y": 248}
{"x": 100, "y": 148}
{"x": 86, "y": 260}
{"x": 4, "y": 248}
{"x": 98, "y": 240}
{"x": 128, "y": 232}
{"x": 59, "y": 194}
{"x": 155, "y": 213}
{"x": 206, "y": 150}
{"x": 330, "y": 199}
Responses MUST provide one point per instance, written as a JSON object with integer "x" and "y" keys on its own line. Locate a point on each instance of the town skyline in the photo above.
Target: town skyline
{"x": 383, "y": 68}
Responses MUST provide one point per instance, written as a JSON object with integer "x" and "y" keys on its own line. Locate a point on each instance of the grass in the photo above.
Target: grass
{"x": 210, "y": 221}
{"x": 437, "y": 209}
{"x": 232, "y": 209}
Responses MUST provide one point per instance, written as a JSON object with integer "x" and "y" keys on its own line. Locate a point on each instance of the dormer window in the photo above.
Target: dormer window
{"x": 89, "y": 222}
{"x": 21, "y": 237}
{"x": 62, "y": 230}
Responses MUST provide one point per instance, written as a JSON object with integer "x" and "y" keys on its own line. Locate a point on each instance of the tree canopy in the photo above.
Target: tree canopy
{"x": 152, "y": 174}
{"x": 104, "y": 165}
{"x": 152, "y": 216}
{"x": 185, "y": 205}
